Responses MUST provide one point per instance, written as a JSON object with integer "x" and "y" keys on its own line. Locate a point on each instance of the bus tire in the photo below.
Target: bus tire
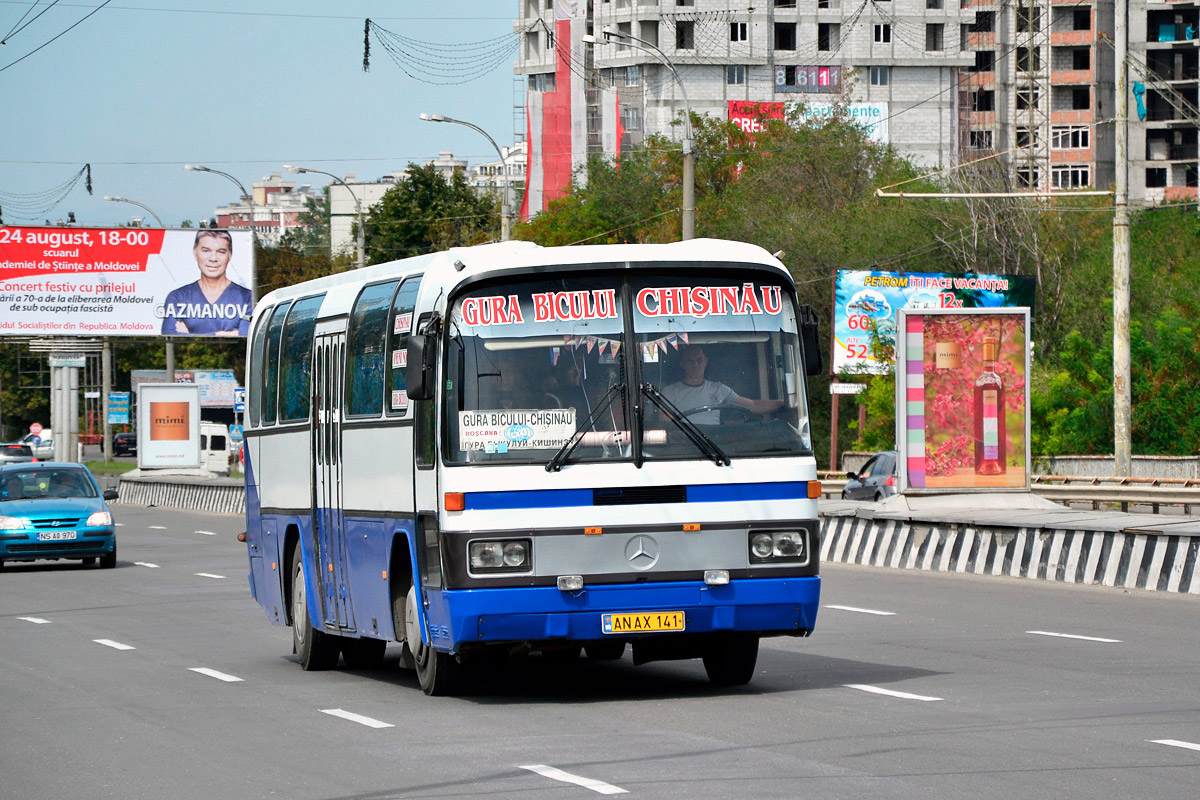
{"x": 440, "y": 674}
{"x": 363, "y": 653}
{"x": 730, "y": 661}
{"x": 316, "y": 649}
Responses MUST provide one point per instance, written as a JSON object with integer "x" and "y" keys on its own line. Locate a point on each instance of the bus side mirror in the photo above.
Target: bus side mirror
{"x": 422, "y": 355}
{"x": 810, "y": 339}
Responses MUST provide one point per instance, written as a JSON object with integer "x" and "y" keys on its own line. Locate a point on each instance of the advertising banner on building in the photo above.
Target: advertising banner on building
{"x": 752, "y": 116}
{"x": 962, "y": 400}
{"x": 865, "y": 304}
{"x": 872, "y": 116}
{"x": 169, "y": 426}
{"x": 125, "y": 282}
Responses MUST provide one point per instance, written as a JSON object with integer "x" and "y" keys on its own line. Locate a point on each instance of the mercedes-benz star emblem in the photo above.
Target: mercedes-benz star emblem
{"x": 642, "y": 552}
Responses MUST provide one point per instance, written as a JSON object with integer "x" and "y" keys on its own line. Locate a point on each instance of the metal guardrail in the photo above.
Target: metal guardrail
{"x": 1126, "y": 492}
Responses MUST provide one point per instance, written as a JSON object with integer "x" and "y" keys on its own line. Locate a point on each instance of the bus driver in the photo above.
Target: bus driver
{"x": 695, "y": 391}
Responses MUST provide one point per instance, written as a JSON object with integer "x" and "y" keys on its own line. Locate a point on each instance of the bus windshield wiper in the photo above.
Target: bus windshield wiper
{"x": 564, "y": 452}
{"x": 698, "y": 437}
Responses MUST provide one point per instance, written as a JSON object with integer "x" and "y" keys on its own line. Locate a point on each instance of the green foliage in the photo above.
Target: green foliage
{"x": 424, "y": 212}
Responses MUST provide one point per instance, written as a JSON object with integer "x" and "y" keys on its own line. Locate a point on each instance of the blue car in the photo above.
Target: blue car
{"x": 52, "y": 510}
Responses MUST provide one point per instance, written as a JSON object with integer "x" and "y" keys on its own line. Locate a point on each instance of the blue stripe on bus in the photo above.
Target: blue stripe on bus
{"x": 562, "y": 498}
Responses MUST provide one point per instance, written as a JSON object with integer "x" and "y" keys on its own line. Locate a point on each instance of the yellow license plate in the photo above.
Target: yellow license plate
{"x": 642, "y": 621}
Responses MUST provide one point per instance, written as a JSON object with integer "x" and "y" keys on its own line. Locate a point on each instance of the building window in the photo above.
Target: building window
{"x": 1029, "y": 59}
{"x": 933, "y": 4}
{"x": 1082, "y": 19}
{"x": 983, "y": 100}
{"x": 785, "y": 3}
{"x": 1027, "y": 137}
{"x": 633, "y": 75}
{"x": 631, "y": 118}
{"x": 1027, "y": 98}
{"x": 1081, "y": 59}
{"x": 685, "y": 35}
{"x": 883, "y": 33}
{"x": 649, "y": 31}
{"x": 985, "y": 22}
{"x": 1071, "y": 137}
{"x": 593, "y": 119}
{"x": 738, "y": 32}
{"x": 934, "y": 37}
{"x": 1029, "y": 18}
{"x": 880, "y": 76}
{"x": 532, "y": 42}
{"x": 1027, "y": 179}
{"x": 980, "y": 140}
{"x": 541, "y": 82}
{"x": 985, "y": 61}
{"x": 1072, "y": 177}
{"x": 828, "y": 36}
{"x": 1156, "y": 177}
{"x": 1081, "y": 99}
{"x": 785, "y": 36}
{"x": 735, "y": 75}
{"x": 685, "y": 2}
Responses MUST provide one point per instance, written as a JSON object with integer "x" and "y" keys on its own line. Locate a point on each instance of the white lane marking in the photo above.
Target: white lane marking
{"x": 114, "y": 645}
{"x": 36, "y": 620}
{"x": 146, "y": 564}
{"x": 210, "y": 575}
{"x": 119, "y": 524}
{"x": 158, "y": 527}
{"x": 212, "y": 673}
{"x": 1175, "y": 743}
{"x": 1073, "y": 636}
{"x": 207, "y": 533}
{"x": 359, "y": 718}
{"x": 566, "y": 777}
{"x": 864, "y": 610}
{"x": 862, "y": 687}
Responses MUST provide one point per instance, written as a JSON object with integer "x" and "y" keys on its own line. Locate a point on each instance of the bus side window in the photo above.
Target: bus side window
{"x": 399, "y": 327}
{"x": 368, "y": 336}
{"x": 256, "y": 367}
{"x": 295, "y": 363}
{"x": 270, "y": 396}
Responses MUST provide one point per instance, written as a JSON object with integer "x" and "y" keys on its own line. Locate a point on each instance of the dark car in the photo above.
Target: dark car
{"x": 15, "y": 453}
{"x": 124, "y": 444}
{"x": 55, "y": 510}
{"x": 875, "y": 481}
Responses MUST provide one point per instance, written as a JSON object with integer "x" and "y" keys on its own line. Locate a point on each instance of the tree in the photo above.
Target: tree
{"x": 425, "y": 212}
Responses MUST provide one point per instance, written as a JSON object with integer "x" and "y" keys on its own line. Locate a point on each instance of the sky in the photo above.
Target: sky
{"x": 142, "y": 87}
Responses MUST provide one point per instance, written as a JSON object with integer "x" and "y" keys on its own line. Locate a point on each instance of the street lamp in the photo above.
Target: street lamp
{"x": 362, "y": 242}
{"x": 248, "y": 195}
{"x": 505, "y": 210}
{"x": 689, "y": 157}
{"x": 116, "y": 199}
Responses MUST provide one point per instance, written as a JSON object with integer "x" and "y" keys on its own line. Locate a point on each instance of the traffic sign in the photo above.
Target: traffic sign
{"x": 35, "y": 428}
{"x": 846, "y": 388}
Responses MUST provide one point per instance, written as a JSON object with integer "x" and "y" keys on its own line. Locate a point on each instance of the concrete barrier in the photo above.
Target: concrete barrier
{"x": 185, "y": 492}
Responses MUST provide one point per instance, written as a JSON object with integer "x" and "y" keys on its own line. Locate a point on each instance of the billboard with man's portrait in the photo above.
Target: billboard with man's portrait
{"x": 125, "y": 282}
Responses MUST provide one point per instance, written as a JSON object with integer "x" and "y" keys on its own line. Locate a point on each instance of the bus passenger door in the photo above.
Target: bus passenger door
{"x": 332, "y": 568}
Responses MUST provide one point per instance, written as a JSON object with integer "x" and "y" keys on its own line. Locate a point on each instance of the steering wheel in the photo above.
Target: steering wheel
{"x": 746, "y": 414}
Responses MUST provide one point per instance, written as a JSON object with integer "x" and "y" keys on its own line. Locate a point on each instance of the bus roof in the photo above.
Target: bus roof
{"x": 440, "y": 270}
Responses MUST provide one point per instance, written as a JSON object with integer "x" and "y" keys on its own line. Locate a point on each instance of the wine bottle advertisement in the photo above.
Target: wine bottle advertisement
{"x": 962, "y": 399}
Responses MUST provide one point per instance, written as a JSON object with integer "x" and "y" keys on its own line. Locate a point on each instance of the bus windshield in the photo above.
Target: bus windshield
{"x": 539, "y": 371}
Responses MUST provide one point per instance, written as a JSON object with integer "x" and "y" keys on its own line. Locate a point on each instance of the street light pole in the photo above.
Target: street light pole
{"x": 1122, "y": 371}
{"x": 115, "y": 199}
{"x": 505, "y": 209}
{"x": 362, "y": 240}
{"x": 689, "y": 157}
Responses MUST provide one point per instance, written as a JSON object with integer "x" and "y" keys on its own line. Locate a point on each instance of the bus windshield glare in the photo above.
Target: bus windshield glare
{"x": 545, "y": 371}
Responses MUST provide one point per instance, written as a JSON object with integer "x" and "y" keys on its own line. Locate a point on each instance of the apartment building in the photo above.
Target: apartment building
{"x": 276, "y": 208}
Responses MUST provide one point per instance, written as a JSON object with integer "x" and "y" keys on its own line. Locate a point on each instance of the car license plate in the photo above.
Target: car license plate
{"x": 55, "y": 536}
{"x": 642, "y": 621}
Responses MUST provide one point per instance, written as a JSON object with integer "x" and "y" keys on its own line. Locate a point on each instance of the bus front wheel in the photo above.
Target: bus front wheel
{"x": 730, "y": 661}
{"x": 316, "y": 649}
{"x": 438, "y": 673}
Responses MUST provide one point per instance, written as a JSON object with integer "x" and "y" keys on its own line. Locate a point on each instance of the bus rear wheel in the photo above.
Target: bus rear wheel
{"x": 730, "y": 661}
{"x": 440, "y": 674}
{"x": 316, "y": 649}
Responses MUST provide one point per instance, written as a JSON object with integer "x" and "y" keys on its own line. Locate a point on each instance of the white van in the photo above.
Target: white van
{"x": 216, "y": 450}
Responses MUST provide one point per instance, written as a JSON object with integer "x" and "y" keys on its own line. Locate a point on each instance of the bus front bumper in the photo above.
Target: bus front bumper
{"x": 767, "y": 606}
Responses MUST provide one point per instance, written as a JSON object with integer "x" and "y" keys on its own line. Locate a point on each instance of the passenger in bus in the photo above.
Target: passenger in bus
{"x": 696, "y": 391}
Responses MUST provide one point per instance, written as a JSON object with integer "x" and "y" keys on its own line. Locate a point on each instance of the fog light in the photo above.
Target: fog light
{"x": 716, "y": 577}
{"x": 570, "y": 583}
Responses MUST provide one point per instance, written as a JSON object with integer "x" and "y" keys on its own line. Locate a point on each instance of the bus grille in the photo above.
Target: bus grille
{"x": 638, "y": 495}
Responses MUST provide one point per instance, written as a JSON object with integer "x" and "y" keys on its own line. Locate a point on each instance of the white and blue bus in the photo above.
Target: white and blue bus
{"x": 511, "y": 448}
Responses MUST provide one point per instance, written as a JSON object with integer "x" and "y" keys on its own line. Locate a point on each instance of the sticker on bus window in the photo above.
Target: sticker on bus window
{"x": 402, "y": 324}
{"x": 501, "y": 430}
{"x": 399, "y": 358}
{"x": 399, "y": 400}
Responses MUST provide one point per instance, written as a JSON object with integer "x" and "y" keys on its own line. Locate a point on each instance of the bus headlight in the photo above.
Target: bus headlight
{"x": 777, "y": 546}
{"x": 504, "y": 555}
